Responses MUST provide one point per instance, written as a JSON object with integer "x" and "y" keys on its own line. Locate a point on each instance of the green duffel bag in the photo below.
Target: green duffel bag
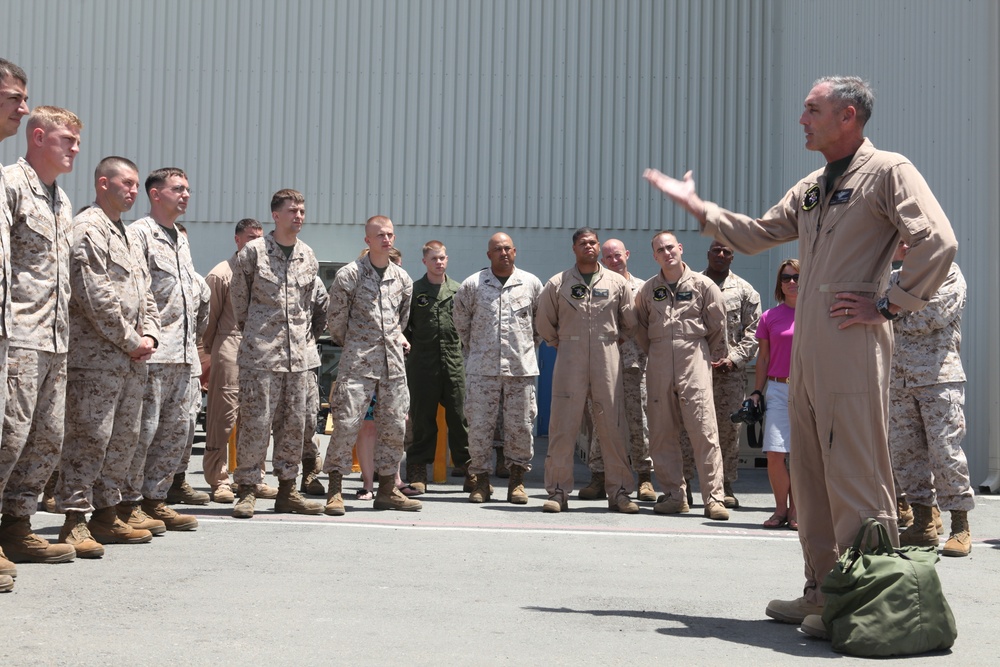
{"x": 883, "y": 601}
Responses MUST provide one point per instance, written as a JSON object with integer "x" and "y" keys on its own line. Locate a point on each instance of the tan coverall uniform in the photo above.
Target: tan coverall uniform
{"x": 838, "y": 391}
{"x": 272, "y": 298}
{"x": 366, "y": 316}
{"x": 585, "y": 324}
{"x": 682, "y": 330}
{"x": 39, "y": 337}
{"x": 222, "y": 341}
{"x": 496, "y": 323}
{"x": 164, "y": 429}
{"x": 111, "y": 309}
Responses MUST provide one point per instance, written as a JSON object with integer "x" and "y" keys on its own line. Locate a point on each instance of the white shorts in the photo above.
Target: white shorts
{"x": 777, "y": 426}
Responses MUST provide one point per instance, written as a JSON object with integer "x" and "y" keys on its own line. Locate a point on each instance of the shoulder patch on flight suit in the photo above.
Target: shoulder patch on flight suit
{"x": 685, "y": 296}
{"x": 422, "y": 300}
{"x": 601, "y": 293}
{"x": 660, "y": 293}
{"x": 841, "y": 196}
{"x": 578, "y": 291}
{"x": 811, "y": 199}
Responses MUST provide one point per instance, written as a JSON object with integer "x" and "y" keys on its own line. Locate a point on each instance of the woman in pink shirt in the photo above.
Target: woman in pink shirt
{"x": 774, "y": 334}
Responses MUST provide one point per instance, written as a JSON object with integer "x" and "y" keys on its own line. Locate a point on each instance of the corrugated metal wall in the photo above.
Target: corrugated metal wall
{"x": 457, "y": 117}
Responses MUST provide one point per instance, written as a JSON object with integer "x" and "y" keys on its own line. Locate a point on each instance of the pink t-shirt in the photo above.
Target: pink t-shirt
{"x": 776, "y": 327}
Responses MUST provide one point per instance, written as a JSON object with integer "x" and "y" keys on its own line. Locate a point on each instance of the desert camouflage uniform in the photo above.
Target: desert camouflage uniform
{"x": 6, "y": 320}
{"x": 366, "y": 316}
{"x": 272, "y": 298}
{"x": 586, "y": 322}
{"x": 110, "y": 310}
{"x": 194, "y": 390}
{"x": 683, "y": 329}
{"x": 39, "y": 337}
{"x": 163, "y": 430}
{"x": 496, "y": 324}
{"x": 927, "y": 396}
{"x": 729, "y": 388}
{"x": 634, "y": 381}
{"x": 310, "y": 441}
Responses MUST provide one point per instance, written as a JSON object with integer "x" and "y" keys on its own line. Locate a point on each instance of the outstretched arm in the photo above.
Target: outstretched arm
{"x": 683, "y": 192}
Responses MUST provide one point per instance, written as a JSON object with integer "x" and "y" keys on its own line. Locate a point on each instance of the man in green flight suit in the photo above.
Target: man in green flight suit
{"x": 435, "y": 370}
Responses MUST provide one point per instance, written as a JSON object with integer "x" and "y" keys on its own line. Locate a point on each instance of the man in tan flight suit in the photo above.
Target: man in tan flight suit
{"x": 272, "y": 294}
{"x": 848, "y": 218}
{"x": 583, "y": 312}
{"x": 369, "y": 308}
{"x": 682, "y": 326}
{"x": 113, "y": 329}
{"x": 222, "y": 340}
{"x": 33, "y": 427}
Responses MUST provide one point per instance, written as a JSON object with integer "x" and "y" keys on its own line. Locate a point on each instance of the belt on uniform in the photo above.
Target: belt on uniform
{"x": 774, "y": 379}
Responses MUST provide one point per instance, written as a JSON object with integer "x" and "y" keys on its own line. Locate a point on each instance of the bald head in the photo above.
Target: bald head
{"x": 501, "y": 252}
{"x": 615, "y": 256}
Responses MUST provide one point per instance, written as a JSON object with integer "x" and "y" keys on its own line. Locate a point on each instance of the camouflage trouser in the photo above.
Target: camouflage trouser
{"x": 348, "y": 407}
{"x": 635, "y": 412}
{"x": 102, "y": 427}
{"x": 310, "y": 441}
{"x": 729, "y": 392}
{"x": 163, "y": 432}
{"x": 194, "y": 407}
{"x": 32, "y": 426}
{"x": 483, "y": 397}
{"x": 271, "y": 400}
{"x": 926, "y": 429}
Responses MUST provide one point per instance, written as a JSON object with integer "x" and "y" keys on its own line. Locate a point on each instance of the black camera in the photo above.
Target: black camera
{"x": 749, "y": 413}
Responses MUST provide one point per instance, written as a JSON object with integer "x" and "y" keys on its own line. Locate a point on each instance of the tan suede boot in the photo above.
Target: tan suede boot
{"x": 904, "y": 513}
{"x": 730, "y": 501}
{"x": 246, "y": 501}
{"x": 416, "y": 476}
{"x": 7, "y": 569}
{"x": 6, "y": 583}
{"x": 646, "y": 492}
{"x": 556, "y": 503}
{"x": 49, "y": 492}
{"x": 515, "y": 486}
{"x": 482, "y": 491}
{"x": 960, "y": 541}
{"x": 21, "y": 545}
{"x": 334, "y": 495}
{"x": 921, "y": 532}
{"x": 75, "y": 533}
{"x": 132, "y": 514}
{"x": 158, "y": 509}
{"x": 389, "y": 497}
{"x": 311, "y": 469}
{"x": 938, "y": 524}
{"x": 107, "y": 528}
{"x": 180, "y": 492}
{"x": 594, "y": 489}
{"x": 290, "y": 501}
{"x": 622, "y": 503}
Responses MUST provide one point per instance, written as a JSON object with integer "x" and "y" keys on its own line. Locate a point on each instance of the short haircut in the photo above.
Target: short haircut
{"x": 661, "y": 233}
{"x": 431, "y": 246}
{"x": 113, "y": 164}
{"x": 377, "y": 220}
{"x": 9, "y": 69}
{"x": 248, "y": 223}
{"x": 160, "y": 176}
{"x": 851, "y": 90}
{"x": 778, "y": 294}
{"x": 279, "y": 198}
{"x": 50, "y": 117}
{"x": 583, "y": 231}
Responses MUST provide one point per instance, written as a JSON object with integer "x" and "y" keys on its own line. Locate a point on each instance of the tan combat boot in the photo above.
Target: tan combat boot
{"x": 936, "y": 515}
{"x": 132, "y": 514}
{"x": 7, "y": 569}
{"x": 180, "y": 492}
{"x": 6, "y": 583}
{"x": 391, "y": 498}
{"x": 75, "y": 533}
{"x": 334, "y": 495}
{"x": 311, "y": 469}
{"x": 716, "y": 511}
{"x": 416, "y": 475}
{"x": 622, "y": 503}
{"x": 49, "y": 493}
{"x": 594, "y": 489}
{"x": 223, "y": 494}
{"x": 21, "y": 545}
{"x": 246, "y": 501}
{"x": 482, "y": 490}
{"x": 290, "y": 501}
{"x": 107, "y": 528}
{"x": 502, "y": 471}
{"x": 667, "y": 505}
{"x": 922, "y": 532}
{"x": 157, "y": 509}
{"x": 515, "y": 486}
{"x": 556, "y": 503}
{"x": 646, "y": 492}
{"x": 729, "y": 499}
{"x": 960, "y": 541}
{"x": 265, "y": 491}
{"x": 904, "y": 513}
